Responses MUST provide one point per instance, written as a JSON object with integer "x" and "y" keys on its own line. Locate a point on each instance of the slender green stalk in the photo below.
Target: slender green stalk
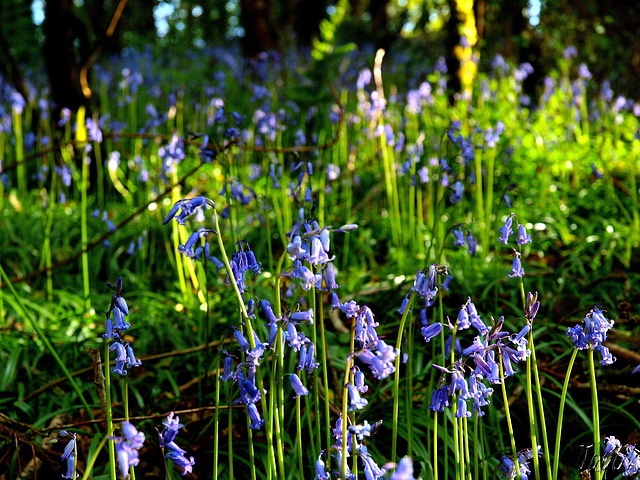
{"x": 252, "y": 341}
{"x": 456, "y": 438}
{"x": 46, "y": 342}
{"x": 93, "y": 459}
{"x": 345, "y": 398}
{"x": 467, "y": 460}
{"x": 109, "y": 413}
{"x": 317, "y": 432}
{"x": 596, "y": 416}
{"x": 532, "y": 418}
{"x": 84, "y": 186}
{"x": 476, "y": 446}
{"x": 325, "y": 381}
{"x": 230, "y": 438}
{"x": 505, "y": 397}
{"x": 396, "y": 379}
{"x": 216, "y": 416}
{"x": 409, "y": 392}
{"x": 21, "y": 171}
{"x": 543, "y": 423}
{"x": 489, "y": 199}
{"x": 252, "y": 462}
{"x": 563, "y": 398}
{"x": 480, "y": 203}
{"x": 435, "y": 445}
{"x": 299, "y": 438}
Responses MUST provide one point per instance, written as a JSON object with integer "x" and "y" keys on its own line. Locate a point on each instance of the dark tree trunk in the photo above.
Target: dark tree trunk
{"x": 8, "y": 64}
{"x": 452, "y": 41}
{"x": 66, "y": 48}
{"x": 256, "y": 17}
{"x": 308, "y": 16}
{"x": 381, "y": 34}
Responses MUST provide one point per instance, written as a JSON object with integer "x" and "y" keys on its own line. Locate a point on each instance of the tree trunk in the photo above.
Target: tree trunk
{"x": 256, "y": 17}
{"x": 66, "y": 48}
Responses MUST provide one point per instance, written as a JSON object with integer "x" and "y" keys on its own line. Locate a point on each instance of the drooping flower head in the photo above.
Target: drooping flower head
{"x": 176, "y": 454}
{"x": 127, "y": 448}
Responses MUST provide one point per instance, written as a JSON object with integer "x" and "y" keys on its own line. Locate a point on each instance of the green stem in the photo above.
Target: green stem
{"x": 505, "y": 397}
{"x": 596, "y": 415}
{"x": 563, "y": 397}
{"x": 109, "y": 413}
{"x": 299, "y": 438}
{"x": 396, "y": 379}
{"x": 435, "y": 445}
{"x": 93, "y": 459}
{"x": 325, "y": 381}
{"x": 216, "y": 416}
{"x": 345, "y": 397}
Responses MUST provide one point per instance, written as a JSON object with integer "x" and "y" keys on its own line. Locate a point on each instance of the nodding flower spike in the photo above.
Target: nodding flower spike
{"x": 531, "y": 306}
{"x": 227, "y": 373}
{"x": 122, "y": 305}
{"x": 244, "y": 344}
{"x": 117, "y": 287}
{"x": 303, "y": 316}
{"x": 187, "y": 207}
{"x": 297, "y": 386}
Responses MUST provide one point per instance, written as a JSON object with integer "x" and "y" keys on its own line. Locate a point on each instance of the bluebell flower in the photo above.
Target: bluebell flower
{"x": 595, "y": 171}
{"x": 321, "y": 473}
{"x": 506, "y": 230}
{"x": 356, "y": 402}
{"x": 630, "y": 461}
{"x": 254, "y": 416}
{"x": 227, "y": 373}
{"x": 167, "y": 440}
{"x": 440, "y": 399}
{"x": 425, "y": 285}
{"x": 187, "y": 249}
{"x": 523, "y": 238}
{"x": 594, "y": 332}
{"x": 132, "y": 361}
{"x": 187, "y": 207}
{"x": 244, "y": 343}
{"x": 458, "y": 190}
{"x": 68, "y": 455}
{"x": 531, "y": 306}
{"x": 307, "y": 361}
{"x": 611, "y": 444}
{"x": 297, "y": 385}
{"x": 447, "y": 281}
{"x": 404, "y": 470}
{"x": 431, "y": 331}
{"x": 249, "y": 393}
{"x": 459, "y": 236}
{"x": 127, "y": 448}
{"x": 180, "y": 460}
{"x": 371, "y": 470}
{"x": 517, "y": 270}
{"x": 302, "y": 316}
{"x": 475, "y": 319}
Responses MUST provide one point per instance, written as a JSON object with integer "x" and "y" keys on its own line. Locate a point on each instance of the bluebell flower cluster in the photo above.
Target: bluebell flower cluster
{"x": 492, "y": 345}
{"x": 592, "y": 334}
{"x": 627, "y": 456}
{"x": 461, "y": 240}
{"x": 68, "y": 455}
{"x": 507, "y": 467}
{"x": 115, "y": 329}
{"x": 167, "y": 440}
{"x": 193, "y": 247}
{"x": 127, "y": 448}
